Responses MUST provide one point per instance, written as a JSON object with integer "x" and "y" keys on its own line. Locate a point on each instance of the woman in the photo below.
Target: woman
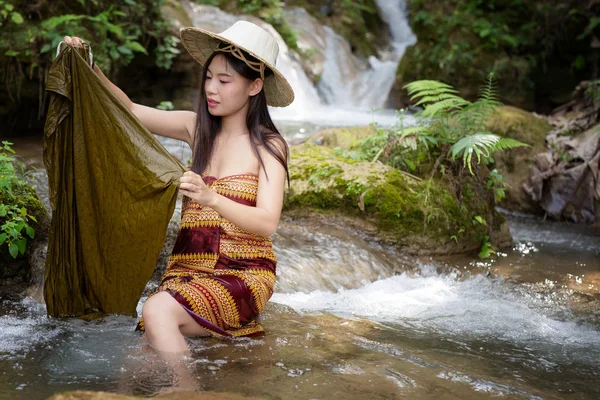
{"x": 222, "y": 268}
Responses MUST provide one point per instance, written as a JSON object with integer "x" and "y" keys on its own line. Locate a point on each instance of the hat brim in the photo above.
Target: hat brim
{"x": 201, "y": 43}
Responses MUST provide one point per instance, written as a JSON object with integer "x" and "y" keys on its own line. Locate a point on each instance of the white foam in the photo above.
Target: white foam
{"x": 478, "y": 308}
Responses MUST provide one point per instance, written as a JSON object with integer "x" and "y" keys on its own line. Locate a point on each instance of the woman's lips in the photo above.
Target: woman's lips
{"x": 212, "y": 103}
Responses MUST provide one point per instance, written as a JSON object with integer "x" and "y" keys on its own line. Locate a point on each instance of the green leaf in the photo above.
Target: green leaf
{"x": 3, "y": 237}
{"x": 114, "y": 54}
{"x": 52, "y": 23}
{"x": 410, "y": 164}
{"x": 135, "y": 46}
{"x": 16, "y": 17}
{"x": 11, "y": 53}
{"x": 13, "y": 250}
{"x": 480, "y": 220}
{"x": 30, "y": 231}
{"x": 45, "y": 48}
{"x": 124, "y": 50}
{"x": 22, "y": 244}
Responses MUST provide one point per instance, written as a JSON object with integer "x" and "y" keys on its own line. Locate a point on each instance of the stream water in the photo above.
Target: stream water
{"x": 353, "y": 320}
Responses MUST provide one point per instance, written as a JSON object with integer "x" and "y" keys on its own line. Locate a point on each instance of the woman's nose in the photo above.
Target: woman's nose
{"x": 210, "y": 87}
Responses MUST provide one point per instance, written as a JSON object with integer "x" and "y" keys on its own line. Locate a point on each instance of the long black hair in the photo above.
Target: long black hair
{"x": 262, "y": 129}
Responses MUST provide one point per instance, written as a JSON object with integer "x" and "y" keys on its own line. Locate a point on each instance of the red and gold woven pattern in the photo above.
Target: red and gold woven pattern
{"x": 222, "y": 275}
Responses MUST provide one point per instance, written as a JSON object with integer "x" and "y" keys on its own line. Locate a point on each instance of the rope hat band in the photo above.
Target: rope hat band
{"x": 257, "y": 66}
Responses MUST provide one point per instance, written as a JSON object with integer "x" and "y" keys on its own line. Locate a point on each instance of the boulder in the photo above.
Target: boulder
{"x": 515, "y": 164}
{"x": 386, "y": 205}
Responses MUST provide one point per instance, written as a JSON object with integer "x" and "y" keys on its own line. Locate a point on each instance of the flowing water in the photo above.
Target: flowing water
{"x": 353, "y": 320}
{"x": 351, "y": 91}
{"x": 349, "y": 319}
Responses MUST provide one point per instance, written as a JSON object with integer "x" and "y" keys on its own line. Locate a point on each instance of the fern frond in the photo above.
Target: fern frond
{"x": 428, "y": 88}
{"x": 508, "y": 143}
{"x": 481, "y": 144}
{"x": 412, "y": 130}
{"x": 435, "y": 97}
{"x": 445, "y": 106}
{"x": 410, "y": 136}
{"x": 488, "y": 92}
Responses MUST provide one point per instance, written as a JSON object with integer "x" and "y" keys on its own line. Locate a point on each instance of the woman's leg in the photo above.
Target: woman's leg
{"x": 166, "y": 322}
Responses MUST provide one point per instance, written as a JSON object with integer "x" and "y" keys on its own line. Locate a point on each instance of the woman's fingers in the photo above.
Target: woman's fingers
{"x": 192, "y": 178}
{"x": 188, "y": 186}
{"x": 73, "y": 41}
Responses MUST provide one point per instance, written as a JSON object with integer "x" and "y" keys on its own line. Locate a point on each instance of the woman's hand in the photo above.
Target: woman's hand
{"x": 192, "y": 185}
{"x": 73, "y": 41}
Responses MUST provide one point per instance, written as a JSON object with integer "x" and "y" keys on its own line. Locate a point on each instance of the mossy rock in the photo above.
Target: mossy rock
{"x": 515, "y": 164}
{"x": 380, "y": 202}
{"x": 344, "y": 138}
{"x": 22, "y": 195}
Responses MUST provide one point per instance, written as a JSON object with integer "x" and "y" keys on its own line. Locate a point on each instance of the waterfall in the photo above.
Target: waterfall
{"x": 348, "y": 81}
{"x": 350, "y": 87}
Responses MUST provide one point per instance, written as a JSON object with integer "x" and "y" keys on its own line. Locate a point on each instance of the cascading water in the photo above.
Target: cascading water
{"x": 350, "y": 319}
{"x": 348, "y": 81}
{"x": 351, "y": 88}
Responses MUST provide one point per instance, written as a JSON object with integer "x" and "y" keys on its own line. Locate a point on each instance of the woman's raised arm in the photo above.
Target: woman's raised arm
{"x": 173, "y": 124}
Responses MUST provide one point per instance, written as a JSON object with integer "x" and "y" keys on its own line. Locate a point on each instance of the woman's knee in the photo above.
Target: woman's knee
{"x": 158, "y": 310}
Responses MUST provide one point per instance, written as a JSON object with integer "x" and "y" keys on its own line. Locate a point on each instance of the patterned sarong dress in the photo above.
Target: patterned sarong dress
{"x": 220, "y": 274}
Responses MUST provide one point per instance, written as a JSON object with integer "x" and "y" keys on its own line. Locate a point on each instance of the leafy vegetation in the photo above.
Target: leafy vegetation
{"x": 271, "y": 11}
{"x": 357, "y": 20}
{"x": 17, "y": 211}
{"x": 540, "y": 49}
{"x": 450, "y": 135}
{"x": 31, "y": 32}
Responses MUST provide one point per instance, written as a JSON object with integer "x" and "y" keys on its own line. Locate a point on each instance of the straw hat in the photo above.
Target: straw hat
{"x": 254, "y": 40}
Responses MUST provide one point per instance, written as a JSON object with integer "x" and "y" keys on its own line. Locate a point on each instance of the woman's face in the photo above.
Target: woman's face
{"x": 227, "y": 91}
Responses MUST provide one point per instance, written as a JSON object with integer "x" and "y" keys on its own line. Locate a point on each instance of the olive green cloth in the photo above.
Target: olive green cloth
{"x": 113, "y": 188}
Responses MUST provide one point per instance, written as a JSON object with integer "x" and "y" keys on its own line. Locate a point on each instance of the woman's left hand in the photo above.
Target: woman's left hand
{"x": 192, "y": 185}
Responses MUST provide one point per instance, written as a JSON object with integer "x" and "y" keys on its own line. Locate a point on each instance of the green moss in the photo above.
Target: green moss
{"x": 405, "y": 210}
{"x": 344, "y": 137}
{"x": 514, "y": 165}
{"x": 515, "y": 123}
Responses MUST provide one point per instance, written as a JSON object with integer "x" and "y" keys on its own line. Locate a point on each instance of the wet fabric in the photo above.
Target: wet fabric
{"x": 222, "y": 275}
{"x": 113, "y": 189}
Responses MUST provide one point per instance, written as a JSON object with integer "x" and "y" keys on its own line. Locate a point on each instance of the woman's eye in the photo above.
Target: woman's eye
{"x": 224, "y": 82}
{"x": 208, "y": 77}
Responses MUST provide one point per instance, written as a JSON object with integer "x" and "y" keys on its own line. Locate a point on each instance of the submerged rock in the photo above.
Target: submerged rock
{"x": 375, "y": 200}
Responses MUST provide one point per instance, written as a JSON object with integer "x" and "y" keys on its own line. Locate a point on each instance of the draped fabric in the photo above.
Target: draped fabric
{"x": 113, "y": 189}
{"x": 222, "y": 275}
